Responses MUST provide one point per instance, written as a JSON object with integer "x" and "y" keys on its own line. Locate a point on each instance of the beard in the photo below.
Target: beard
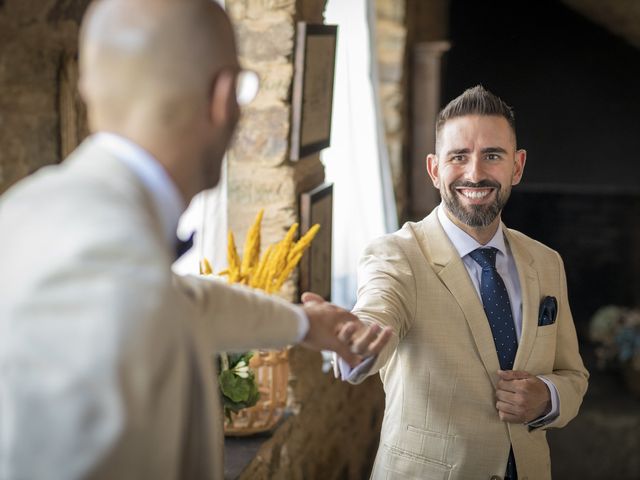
{"x": 475, "y": 215}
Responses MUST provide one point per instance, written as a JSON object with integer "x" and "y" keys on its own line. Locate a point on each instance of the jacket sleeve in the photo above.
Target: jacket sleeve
{"x": 569, "y": 375}
{"x": 386, "y": 296}
{"x": 237, "y": 318}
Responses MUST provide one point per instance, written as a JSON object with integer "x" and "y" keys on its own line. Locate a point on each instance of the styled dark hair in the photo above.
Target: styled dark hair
{"x": 475, "y": 101}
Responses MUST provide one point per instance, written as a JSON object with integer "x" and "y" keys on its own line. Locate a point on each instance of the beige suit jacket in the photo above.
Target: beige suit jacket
{"x": 440, "y": 369}
{"x": 106, "y": 357}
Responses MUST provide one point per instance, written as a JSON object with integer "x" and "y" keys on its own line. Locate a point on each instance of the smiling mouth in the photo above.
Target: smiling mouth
{"x": 474, "y": 193}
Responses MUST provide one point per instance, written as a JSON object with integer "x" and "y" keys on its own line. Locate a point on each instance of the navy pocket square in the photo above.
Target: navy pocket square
{"x": 548, "y": 311}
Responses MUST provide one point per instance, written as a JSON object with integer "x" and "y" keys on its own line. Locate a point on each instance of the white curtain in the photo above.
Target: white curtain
{"x": 357, "y": 161}
{"x": 206, "y": 216}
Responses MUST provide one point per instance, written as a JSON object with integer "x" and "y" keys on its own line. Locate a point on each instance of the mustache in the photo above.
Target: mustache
{"x": 480, "y": 184}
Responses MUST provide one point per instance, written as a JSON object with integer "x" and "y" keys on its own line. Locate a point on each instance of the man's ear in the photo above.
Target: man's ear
{"x": 520, "y": 160}
{"x": 432, "y": 169}
{"x": 223, "y": 107}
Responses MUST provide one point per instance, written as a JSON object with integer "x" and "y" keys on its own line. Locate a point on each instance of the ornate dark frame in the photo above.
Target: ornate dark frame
{"x": 305, "y": 68}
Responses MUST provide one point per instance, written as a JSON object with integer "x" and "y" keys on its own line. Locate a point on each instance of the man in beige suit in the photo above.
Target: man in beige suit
{"x": 483, "y": 355}
{"x": 106, "y": 357}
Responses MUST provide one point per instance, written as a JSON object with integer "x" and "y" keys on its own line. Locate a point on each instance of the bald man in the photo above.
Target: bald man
{"x": 106, "y": 357}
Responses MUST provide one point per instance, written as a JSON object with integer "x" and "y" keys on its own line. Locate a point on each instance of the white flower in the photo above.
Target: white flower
{"x": 241, "y": 369}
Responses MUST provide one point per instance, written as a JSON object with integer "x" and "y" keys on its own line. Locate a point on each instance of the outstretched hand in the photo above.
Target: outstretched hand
{"x": 521, "y": 397}
{"x": 356, "y": 339}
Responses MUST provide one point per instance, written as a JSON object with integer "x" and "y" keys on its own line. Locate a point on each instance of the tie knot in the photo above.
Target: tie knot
{"x": 485, "y": 257}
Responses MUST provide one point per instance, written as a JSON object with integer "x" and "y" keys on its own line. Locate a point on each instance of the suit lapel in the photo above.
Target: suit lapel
{"x": 530, "y": 291}
{"x": 451, "y": 270}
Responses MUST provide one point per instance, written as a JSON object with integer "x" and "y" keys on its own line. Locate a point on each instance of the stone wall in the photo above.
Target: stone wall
{"x": 41, "y": 117}
{"x": 333, "y": 433}
{"x": 391, "y": 36}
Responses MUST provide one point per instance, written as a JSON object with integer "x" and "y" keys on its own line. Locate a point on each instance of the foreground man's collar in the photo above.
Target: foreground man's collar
{"x": 166, "y": 197}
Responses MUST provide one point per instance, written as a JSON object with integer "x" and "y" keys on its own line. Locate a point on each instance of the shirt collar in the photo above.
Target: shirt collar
{"x": 465, "y": 243}
{"x": 164, "y": 193}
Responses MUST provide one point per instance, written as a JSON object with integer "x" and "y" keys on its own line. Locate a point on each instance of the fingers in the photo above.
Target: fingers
{"x": 510, "y": 406}
{"x": 347, "y": 331}
{"x": 510, "y": 413}
{"x": 513, "y": 374}
{"x": 310, "y": 297}
{"x": 521, "y": 397}
{"x": 361, "y": 344}
{"x": 508, "y": 397}
{"x": 508, "y": 386}
{"x": 383, "y": 338}
{"x": 370, "y": 342}
{"x": 365, "y": 340}
{"x": 330, "y": 328}
{"x": 347, "y": 355}
{"x": 350, "y": 338}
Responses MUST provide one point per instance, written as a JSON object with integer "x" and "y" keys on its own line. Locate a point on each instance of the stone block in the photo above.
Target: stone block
{"x": 29, "y": 132}
{"x": 390, "y": 40}
{"x": 267, "y": 39}
{"x": 255, "y": 9}
{"x": 262, "y": 137}
{"x": 390, "y": 72}
{"x": 394, "y": 10}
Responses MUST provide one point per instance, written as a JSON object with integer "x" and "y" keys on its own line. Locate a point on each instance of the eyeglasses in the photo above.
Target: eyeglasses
{"x": 247, "y": 85}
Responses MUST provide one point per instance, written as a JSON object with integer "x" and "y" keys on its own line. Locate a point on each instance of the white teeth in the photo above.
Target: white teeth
{"x": 475, "y": 193}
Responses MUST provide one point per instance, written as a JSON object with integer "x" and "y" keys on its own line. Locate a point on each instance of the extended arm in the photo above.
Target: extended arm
{"x": 385, "y": 306}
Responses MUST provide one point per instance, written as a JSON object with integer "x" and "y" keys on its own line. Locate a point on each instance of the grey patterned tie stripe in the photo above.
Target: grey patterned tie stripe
{"x": 497, "y": 307}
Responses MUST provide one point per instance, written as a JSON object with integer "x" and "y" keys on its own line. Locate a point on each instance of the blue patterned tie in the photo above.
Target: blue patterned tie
{"x": 497, "y": 307}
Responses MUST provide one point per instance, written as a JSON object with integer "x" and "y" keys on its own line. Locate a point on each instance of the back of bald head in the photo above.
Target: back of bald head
{"x": 152, "y": 62}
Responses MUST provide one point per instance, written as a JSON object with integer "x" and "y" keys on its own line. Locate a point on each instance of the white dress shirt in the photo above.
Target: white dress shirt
{"x": 165, "y": 195}
{"x": 506, "y": 267}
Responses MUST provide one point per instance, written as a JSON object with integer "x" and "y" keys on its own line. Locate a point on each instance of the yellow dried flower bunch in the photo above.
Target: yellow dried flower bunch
{"x": 269, "y": 271}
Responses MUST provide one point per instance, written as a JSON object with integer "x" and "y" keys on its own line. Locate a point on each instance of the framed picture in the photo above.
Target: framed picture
{"x": 312, "y": 88}
{"x": 315, "y": 267}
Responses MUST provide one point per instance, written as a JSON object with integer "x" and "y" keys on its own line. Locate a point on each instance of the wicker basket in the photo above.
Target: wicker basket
{"x": 271, "y": 369}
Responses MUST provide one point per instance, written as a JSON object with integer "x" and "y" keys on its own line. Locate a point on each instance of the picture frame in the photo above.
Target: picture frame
{"x": 316, "y": 206}
{"x": 312, "y": 97}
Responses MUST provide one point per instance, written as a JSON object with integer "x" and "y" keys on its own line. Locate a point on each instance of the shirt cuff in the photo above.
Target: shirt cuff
{"x": 303, "y": 323}
{"x": 555, "y": 406}
{"x": 346, "y": 373}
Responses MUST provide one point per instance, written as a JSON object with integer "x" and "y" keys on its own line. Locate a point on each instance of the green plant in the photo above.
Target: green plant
{"x": 237, "y": 382}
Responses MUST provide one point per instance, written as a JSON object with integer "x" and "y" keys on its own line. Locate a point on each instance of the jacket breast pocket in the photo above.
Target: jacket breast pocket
{"x": 545, "y": 330}
{"x": 401, "y": 464}
{"x": 543, "y": 353}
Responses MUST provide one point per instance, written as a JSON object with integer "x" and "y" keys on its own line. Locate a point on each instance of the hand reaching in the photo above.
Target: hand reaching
{"x": 358, "y": 340}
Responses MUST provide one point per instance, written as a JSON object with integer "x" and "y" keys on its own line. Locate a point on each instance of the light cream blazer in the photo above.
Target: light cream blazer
{"x": 440, "y": 369}
{"x": 106, "y": 357}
